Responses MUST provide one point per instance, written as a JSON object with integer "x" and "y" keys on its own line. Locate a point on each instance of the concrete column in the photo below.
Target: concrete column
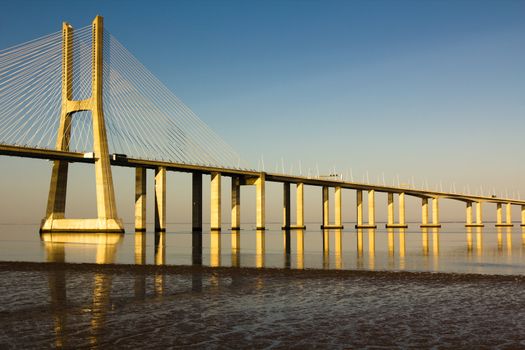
{"x": 196, "y": 208}
{"x": 424, "y": 211}
{"x": 469, "y": 214}
{"x": 236, "y": 203}
{"x": 215, "y": 201}
{"x": 326, "y": 206}
{"x": 300, "y": 205}
{"x": 140, "y": 199}
{"x": 479, "y": 214}
{"x": 402, "y": 209}
{"x": 338, "y": 207}
{"x": 286, "y": 205}
{"x": 371, "y": 208}
{"x": 359, "y": 206}
{"x": 390, "y": 220}
{"x": 435, "y": 211}
{"x": 523, "y": 215}
{"x": 499, "y": 220}
{"x": 509, "y": 214}
{"x": 160, "y": 199}
{"x": 260, "y": 202}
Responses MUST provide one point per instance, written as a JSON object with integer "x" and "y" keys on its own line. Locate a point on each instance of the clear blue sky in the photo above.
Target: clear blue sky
{"x": 426, "y": 89}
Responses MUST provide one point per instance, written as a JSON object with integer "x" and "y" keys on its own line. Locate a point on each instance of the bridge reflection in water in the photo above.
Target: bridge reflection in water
{"x": 362, "y": 249}
{"x": 55, "y": 246}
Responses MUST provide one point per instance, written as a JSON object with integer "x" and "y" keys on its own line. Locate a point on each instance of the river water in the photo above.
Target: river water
{"x": 435, "y": 288}
{"x": 453, "y": 248}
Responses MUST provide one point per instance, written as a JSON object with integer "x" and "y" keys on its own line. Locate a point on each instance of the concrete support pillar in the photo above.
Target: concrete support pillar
{"x": 260, "y": 202}
{"x": 424, "y": 212}
{"x": 338, "y": 207}
{"x": 359, "y": 206}
{"x": 286, "y": 206}
{"x": 236, "y": 203}
{"x": 402, "y": 209}
{"x": 140, "y": 199}
{"x": 300, "y": 206}
{"x": 435, "y": 211}
{"x": 160, "y": 199}
{"x": 390, "y": 218}
{"x": 215, "y": 202}
{"x": 479, "y": 214}
{"x": 196, "y": 208}
{"x": 469, "y": 214}
{"x": 371, "y": 208}
{"x": 509, "y": 214}
{"x": 326, "y": 207}
{"x": 523, "y": 215}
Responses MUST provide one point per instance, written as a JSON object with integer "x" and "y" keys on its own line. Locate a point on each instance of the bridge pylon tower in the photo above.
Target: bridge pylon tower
{"x": 107, "y": 219}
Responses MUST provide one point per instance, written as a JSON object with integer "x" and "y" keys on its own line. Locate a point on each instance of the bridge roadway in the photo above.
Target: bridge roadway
{"x": 250, "y": 176}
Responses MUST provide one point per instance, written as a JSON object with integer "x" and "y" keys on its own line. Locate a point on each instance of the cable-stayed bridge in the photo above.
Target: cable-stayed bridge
{"x": 78, "y": 96}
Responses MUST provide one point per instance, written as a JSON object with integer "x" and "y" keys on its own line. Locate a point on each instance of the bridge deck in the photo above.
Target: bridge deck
{"x": 76, "y": 157}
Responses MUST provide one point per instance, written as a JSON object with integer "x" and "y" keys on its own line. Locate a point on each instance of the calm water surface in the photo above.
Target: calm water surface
{"x": 309, "y": 301}
{"x": 453, "y": 248}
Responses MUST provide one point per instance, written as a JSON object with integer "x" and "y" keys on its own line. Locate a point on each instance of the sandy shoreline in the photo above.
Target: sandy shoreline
{"x": 64, "y": 305}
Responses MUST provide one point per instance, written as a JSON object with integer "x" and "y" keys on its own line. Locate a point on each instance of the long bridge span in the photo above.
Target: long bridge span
{"x": 81, "y": 97}
{"x": 250, "y": 177}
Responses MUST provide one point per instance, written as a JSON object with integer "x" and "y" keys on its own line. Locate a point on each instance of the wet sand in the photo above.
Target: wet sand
{"x": 46, "y": 305}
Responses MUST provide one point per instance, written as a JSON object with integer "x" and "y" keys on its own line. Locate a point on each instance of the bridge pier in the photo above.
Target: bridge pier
{"x": 160, "y": 199}
{"x": 140, "y": 199}
{"x": 236, "y": 203}
{"x": 435, "y": 213}
{"x": 215, "y": 202}
{"x": 299, "y": 220}
{"x": 523, "y": 215}
{"x": 478, "y": 222}
{"x": 326, "y": 208}
{"x": 286, "y": 206}
{"x": 401, "y": 213}
{"x": 196, "y": 208}
{"x": 371, "y": 210}
{"x": 260, "y": 186}
{"x": 499, "y": 216}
